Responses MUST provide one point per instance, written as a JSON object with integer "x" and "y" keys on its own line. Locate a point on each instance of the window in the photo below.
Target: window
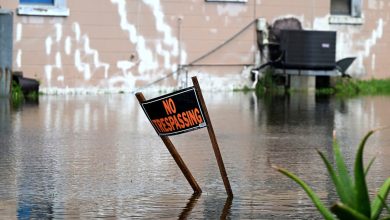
{"x": 227, "y": 1}
{"x": 346, "y": 12}
{"x": 49, "y": 2}
{"x": 43, "y": 7}
{"x": 340, "y": 7}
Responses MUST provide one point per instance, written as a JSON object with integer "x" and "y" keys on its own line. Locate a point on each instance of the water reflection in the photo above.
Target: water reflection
{"x": 5, "y": 110}
{"x": 226, "y": 208}
{"x": 98, "y": 157}
{"x": 7, "y": 161}
{"x": 35, "y": 182}
{"x": 216, "y": 208}
{"x": 190, "y": 205}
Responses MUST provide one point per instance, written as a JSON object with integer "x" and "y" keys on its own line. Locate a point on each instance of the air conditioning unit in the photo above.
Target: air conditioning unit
{"x": 314, "y": 50}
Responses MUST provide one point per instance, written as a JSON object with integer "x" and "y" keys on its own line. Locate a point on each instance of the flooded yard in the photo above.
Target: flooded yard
{"x": 99, "y": 157}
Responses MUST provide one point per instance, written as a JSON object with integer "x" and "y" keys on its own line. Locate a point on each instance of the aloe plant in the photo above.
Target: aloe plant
{"x": 351, "y": 189}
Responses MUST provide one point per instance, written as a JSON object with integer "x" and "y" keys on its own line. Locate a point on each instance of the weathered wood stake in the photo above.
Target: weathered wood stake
{"x": 213, "y": 139}
{"x": 176, "y": 156}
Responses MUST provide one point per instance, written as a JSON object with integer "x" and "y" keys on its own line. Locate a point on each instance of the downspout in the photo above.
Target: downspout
{"x": 180, "y": 66}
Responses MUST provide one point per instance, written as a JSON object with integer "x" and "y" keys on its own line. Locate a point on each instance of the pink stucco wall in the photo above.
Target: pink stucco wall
{"x": 119, "y": 45}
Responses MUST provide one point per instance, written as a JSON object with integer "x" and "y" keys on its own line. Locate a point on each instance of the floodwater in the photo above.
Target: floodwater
{"x": 72, "y": 157}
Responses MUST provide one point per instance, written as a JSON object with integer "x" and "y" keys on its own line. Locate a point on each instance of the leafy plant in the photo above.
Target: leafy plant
{"x": 16, "y": 93}
{"x": 352, "y": 189}
{"x": 268, "y": 83}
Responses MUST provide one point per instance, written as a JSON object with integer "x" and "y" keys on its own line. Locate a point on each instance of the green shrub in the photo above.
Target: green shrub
{"x": 352, "y": 87}
{"x": 351, "y": 189}
{"x": 18, "y": 97}
{"x": 268, "y": 84}
{"x": 16, "y": 92}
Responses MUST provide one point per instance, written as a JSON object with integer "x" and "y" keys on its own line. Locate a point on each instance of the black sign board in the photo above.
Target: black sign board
{"x": 175, "y": 113}
{"x": 180, "y": 112}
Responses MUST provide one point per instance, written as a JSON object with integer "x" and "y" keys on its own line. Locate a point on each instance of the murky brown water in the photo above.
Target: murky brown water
{"x": 98, "y": 157}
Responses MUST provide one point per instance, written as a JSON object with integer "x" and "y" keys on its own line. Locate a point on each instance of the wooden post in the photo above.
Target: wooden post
{"x": 213, "y": 139}
{"x": 176, "y": 156}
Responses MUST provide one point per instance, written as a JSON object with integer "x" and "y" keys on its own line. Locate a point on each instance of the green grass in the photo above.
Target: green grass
{"x": 32, "y": 95}
{"x": 354, "y": 87}
{"x": 346, "y": 87}
{"x": 17, "y": 93}
{"x": 244, "y": 89}
{"x": 18, "y": 97}
{"x": 325, "y": 91}
{"x": 343, "y": 87}
{"x": 354, "y": 201}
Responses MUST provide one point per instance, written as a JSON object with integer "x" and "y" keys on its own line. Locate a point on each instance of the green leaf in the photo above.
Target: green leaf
{"x": 369, "y": 166}
{"x": 340, "y": 188}
{"x": 345, "y": 178}
{"x": 344, "y": 212}
{"x": 362, "y": 197}
{"x": 317, "y": 202}
{"x": 377, "y": 205}
{"x": 384, "y": 204}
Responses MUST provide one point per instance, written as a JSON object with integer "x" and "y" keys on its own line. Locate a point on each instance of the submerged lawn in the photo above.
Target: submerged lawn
{"x": 351, "y": 87}
{"x": 269, "y": 84}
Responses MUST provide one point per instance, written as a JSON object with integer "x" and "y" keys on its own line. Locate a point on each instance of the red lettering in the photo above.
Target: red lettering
{"x": 161, "y": 122}
{"x": 167, "y": 124}
{"x": 169, "y": 106}
{"x": 171, "y": 122}
{"x": 157, "y": 124}
{"x": 176, "y": 122}
{"x": 198, "y": 116}
{"x": 192, "y": 117}
{"x": 161, "y": 125}
{"x": 181, "y": 121}
{"x": 186, "y": 122}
